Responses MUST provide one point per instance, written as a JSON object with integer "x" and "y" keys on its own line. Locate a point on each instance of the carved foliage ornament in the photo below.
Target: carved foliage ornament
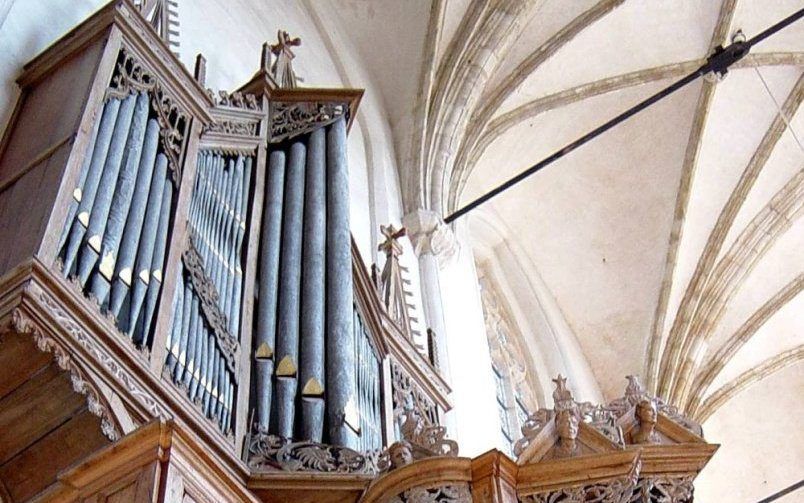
{"x": 407, "y": 395}
{"x": 289, "y": 119}
{"x": 208, "y": 295}
{"x": 457, "y": 492}
{"x": 426, "y": 440}
{"x": 271, "y": 452}
{"x": 96, "y": 403}
{"x": 618, "y": 490}
{"x": 245, "y": 101}
{"x": 90, "y": 345}
{"x": 233, "y": 128}
{"x": 131, "y": 77}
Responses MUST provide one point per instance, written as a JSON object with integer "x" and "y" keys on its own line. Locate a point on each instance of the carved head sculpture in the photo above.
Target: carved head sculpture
{"x": 401, "y": 454}
{"x": 566, "y": 425}
{"x": 647, "y": 414}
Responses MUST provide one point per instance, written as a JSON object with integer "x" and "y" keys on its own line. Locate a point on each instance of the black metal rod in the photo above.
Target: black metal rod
{"x": 784, "y": 492}
{"x": 718, "y": 62}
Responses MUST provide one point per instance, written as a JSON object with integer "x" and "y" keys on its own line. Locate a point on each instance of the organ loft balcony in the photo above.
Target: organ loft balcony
{"x": 185, "y": 316}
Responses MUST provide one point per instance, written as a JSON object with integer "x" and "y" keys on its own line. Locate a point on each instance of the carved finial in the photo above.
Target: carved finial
{"x": 282, "y": 69}
{"x": 562, "y": 396}
{"x": 265, "y": 57}
{"x": 391, "y": 245}
{"x": 200, "y": 72}
{"x": 634, "y": 389}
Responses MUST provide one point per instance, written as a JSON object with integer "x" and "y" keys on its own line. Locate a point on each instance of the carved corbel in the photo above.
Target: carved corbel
{"x": 22, "y": 323}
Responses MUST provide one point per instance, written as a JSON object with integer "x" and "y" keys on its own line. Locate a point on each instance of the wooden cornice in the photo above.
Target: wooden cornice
{"x": 140, "y": 37}
{"x": 423, "y": 473}
{"x": 261, "y": 84}
{"x": 581, "y": 470}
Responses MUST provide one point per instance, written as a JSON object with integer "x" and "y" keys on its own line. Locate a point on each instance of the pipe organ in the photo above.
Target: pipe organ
{"x": 187, "y": 260}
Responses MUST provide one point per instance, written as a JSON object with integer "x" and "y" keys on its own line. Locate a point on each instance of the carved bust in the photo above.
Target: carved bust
{"x": 567, "y": 430}
{"x": 646, "y": 414}
{"x": 400, "y": 454}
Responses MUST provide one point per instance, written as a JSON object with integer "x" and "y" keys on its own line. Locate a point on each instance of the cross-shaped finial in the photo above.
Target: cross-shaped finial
{"x": 284, "y": 43}
{"x": 282, "y": 69}
{"x": 391, "y": 246}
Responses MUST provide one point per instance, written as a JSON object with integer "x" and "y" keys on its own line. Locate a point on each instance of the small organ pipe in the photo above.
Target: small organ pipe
{"x": 157, "y": 262}
{"x": 145, "y": 250}
{"x": 187, "y": 323}
{"x": 175, "y": 330}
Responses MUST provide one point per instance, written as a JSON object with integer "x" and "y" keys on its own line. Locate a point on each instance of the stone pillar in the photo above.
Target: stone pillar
{"x": 434, "y": 245}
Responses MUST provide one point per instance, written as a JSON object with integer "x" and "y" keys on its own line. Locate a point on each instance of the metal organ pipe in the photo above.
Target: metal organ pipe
{"x": 340, "y": 372}
{"x": 287, "y": 346}
{"x": 313, "y": 290}
{"x": 268, "y": 285}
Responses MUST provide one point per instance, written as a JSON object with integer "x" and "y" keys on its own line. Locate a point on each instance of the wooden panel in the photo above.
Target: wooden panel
{"x": 36, "y": 468}
{"x": 28, "y": 204}
{"x": 19, "y": 361}
{"x": 32, "y": 410}
{"x": 50, "y": 112}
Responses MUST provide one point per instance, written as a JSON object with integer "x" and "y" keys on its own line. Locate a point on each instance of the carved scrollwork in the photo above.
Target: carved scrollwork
{"x": 90, "y": 345}
{"x": 208, "y": 295}
{"x": 618, "y": 490}
{"x": 96, "y": 403}
{"x": 289, "y": 119}
{"x": 132, "y": 77}
{"x": 457, "y": 492}
{"x": 246, "y": 101}
{"x": 426, "y": 440}
{"x": 233, "y": 128}
{"x": 663, "y": 489}
{"x": 407, "y": 395}
{"x": 271, "y": 452}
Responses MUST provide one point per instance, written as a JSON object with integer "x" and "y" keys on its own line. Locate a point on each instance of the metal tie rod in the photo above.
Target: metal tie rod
{"x": 718, "y": 63}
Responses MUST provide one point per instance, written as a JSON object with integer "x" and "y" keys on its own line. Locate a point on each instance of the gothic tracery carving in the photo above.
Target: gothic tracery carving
{"x": 209, "y": 297}
{"x": 293, "y": 118}
{"x": 457, "y": 492}
{"x": 408, "y": 395}
{"x": 233, "y": 128}
{"x": 132, "y": 77}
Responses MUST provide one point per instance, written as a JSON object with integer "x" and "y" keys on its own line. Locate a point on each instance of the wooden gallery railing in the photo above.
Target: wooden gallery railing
{"x": 192, "y": 253}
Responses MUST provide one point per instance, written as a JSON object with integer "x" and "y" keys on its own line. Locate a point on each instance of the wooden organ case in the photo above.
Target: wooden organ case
{"x": 186, "y": 318}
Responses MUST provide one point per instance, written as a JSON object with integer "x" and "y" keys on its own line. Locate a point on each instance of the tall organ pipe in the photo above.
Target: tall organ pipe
{"x": 79, "y": 187}
{"x": 90, "y": 187}
{"x": 287, "y": 346}
{"x": 149, "y": 163}
{"x": 269, "y": 282}
{"x": 313, "y": 290}
{"x": 234, "y": 312}
{"x": 142, "y": 141}
{"x": 340, "y": 372}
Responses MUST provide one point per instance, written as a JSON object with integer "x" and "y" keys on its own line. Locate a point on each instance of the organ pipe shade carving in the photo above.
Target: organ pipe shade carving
{"x": 316, "y": 376}
{"x": 113, "y": 245}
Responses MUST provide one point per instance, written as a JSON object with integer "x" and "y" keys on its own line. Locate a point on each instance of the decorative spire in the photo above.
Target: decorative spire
{"x": 282, "y": 68}
{"x": 562, "y": 396}
{"x": 163, "y": 15}
{"x": 392, "y": 289}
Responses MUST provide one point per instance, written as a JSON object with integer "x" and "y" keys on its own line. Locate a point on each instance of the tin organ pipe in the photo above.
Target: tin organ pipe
{"x": 115, "y": 183}
{"x": 241, "y": 230}
{"x": 287, "y": 346}
{"x": 125, "y": 218}
{"x": 90, "y": 186}
{"x": 312, "y": 290}
{"x": 82, "y": 177}
{"x": 175, "y": 328}
{"x": 268, "y": 285}
{"x": 157, "y": 263}
{"x": 145, "y": 250}
{"x": 340, "y": 348}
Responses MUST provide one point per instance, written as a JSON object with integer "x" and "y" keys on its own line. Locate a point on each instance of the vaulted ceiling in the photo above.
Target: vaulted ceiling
{"x": 672, "y": 244}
